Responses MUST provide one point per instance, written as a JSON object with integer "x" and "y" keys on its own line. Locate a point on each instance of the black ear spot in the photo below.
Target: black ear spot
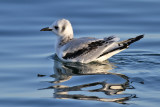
{"x": 63, "y": 28}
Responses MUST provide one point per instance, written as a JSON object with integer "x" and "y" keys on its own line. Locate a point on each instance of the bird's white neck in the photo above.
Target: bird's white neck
{"x": 61, "y": 41}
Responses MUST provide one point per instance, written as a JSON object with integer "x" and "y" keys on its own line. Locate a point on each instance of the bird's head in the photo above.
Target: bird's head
{"x": 61, "y": 28}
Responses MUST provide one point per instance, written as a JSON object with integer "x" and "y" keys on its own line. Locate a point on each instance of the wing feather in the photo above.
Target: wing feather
{"x": 86, "y": 49}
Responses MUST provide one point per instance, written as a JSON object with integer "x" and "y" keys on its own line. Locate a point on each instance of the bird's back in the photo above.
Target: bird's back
{"x": 86, "y": 49}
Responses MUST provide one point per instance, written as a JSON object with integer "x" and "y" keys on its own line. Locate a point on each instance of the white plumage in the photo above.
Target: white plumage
{"x": 85, "y": 49}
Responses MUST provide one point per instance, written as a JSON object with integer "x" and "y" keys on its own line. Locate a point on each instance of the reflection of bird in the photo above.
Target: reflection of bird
{"x": 63, "y": 92}
{"x": 85, "y": 90}
{"x": 64, "y": 71}
{"x": 85, "y": 49}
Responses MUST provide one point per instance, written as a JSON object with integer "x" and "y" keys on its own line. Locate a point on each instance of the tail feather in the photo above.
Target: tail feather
{"x": 131, "y": 40}
{"x": 119, "y": 47}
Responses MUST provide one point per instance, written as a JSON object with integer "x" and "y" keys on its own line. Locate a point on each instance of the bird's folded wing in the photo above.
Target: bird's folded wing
{"x": 87, "y": 48}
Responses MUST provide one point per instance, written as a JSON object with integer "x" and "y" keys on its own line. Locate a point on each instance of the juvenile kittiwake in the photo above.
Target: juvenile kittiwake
{"x": 85, "y": 49}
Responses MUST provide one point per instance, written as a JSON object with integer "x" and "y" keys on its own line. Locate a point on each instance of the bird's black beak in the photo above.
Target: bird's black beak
{"x": 46, "y": 29}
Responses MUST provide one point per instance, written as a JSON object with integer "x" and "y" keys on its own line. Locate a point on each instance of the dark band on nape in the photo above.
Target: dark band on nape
{"x": 91, "y": 46}
{"x": 63, "y": 42}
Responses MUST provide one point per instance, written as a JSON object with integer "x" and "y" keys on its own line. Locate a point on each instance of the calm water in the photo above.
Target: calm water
{"x": 31, "y": 75}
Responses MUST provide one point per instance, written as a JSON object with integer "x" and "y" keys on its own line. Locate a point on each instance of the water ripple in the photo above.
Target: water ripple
{"x": 71, "y": 81}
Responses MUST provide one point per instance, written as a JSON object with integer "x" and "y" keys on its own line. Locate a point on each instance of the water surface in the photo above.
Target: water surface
{"x": 31, "y": 75}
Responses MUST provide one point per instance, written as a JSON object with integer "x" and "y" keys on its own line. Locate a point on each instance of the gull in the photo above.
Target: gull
{"x": 85, "y": 49}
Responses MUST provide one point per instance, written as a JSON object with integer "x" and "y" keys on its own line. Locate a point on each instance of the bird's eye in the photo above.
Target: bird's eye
{"x": 56, "y": 27}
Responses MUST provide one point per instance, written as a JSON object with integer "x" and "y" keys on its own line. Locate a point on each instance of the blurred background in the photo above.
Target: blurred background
{"x": 25, "y": 52}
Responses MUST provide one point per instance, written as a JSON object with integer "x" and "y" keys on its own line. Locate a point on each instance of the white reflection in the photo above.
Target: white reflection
{"x": 112, "y": 92}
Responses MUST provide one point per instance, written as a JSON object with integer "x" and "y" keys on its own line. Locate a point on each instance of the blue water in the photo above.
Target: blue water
{"x": 31, "y": 75}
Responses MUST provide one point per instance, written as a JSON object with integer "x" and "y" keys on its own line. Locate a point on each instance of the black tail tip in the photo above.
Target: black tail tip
{"x": 140, "y": 36}
{"x": 132, "y": 40}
